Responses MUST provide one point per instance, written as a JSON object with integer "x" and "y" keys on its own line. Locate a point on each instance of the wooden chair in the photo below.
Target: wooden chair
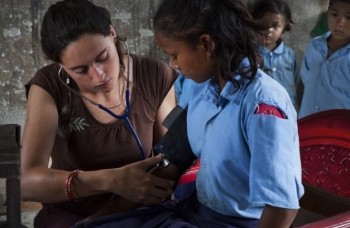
{"x": 9, "y": 169}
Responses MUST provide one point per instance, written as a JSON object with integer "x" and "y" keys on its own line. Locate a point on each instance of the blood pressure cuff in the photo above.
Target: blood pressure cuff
{"x": 175, "y": 145}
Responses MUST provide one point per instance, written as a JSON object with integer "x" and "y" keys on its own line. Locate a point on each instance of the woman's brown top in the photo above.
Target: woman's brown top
{"x": 84, "y": 143}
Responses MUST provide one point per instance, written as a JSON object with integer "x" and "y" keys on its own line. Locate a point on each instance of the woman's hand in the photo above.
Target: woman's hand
{"x": 145, "y": 190}
{"x": 137, "y": 182}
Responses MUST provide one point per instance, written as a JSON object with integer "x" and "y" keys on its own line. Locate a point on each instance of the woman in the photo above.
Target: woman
{"x": 72, "y": 117}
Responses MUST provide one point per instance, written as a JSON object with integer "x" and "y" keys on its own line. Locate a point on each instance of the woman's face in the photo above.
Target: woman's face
{"x": 93, "y": 62}
{"x": 195, "y": 64}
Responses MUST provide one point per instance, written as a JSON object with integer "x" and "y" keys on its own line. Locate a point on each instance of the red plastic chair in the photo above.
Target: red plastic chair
{"x": 325, "y": 158}
{"x": 325, "y": 150}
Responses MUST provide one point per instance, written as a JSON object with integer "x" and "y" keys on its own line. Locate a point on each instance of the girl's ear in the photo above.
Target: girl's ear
{"x": 207, "y": 42}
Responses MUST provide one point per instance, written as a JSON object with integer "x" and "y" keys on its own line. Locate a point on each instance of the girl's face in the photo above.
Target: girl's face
{"x": 93, "y": 62}
{"x": 339, "y": 21}
{"x": 276, "y": 23}
{"x": 195, "y": 64}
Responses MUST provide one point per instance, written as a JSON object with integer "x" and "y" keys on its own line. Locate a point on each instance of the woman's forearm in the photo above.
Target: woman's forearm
{"x": 48, "y": 185}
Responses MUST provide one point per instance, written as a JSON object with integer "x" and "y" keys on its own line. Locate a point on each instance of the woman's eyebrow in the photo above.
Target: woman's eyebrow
{"x": 81, "y": 66}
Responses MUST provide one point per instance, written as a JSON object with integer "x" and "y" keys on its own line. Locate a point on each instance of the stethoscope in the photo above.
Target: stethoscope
{"x": 124, "y": 116}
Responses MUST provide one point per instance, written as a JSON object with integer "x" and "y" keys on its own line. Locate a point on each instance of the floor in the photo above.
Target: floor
{"x": 29, "y": 209}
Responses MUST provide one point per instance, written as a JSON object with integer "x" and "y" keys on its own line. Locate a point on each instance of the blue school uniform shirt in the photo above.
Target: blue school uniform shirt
{"x": 183, "y": 89}
{"x": 326, "y": 80}
{"x": 247, "y": 160}
{"x": 280, "y": 64}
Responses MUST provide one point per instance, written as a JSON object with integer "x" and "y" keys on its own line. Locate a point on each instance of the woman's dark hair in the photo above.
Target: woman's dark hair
{"x": 66, "y": 21}
{"x": 261, "y": 7}
{"x": 228, "y": 22}
{"x": 333, "y": 1}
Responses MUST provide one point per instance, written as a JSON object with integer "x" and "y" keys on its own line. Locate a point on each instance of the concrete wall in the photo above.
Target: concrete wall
{"x": 20, "y": 54}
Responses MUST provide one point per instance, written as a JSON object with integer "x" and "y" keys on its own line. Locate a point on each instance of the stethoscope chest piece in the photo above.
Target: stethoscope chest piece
{"x": 163, "y": 164}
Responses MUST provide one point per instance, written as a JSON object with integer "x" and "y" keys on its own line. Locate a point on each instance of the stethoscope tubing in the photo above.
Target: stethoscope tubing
{"x": 125, "y": 116}
{"x": 127, "y": 122}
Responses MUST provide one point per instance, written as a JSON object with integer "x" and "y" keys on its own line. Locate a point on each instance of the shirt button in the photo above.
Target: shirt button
{"x": 271, "y": 54}
{"x": 316, "y": 107}
{"x": 274, "y": 69}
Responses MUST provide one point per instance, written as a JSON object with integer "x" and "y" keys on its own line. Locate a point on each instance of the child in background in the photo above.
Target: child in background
{"x": 279, "y": 59}
{"x": 325, "y": 70}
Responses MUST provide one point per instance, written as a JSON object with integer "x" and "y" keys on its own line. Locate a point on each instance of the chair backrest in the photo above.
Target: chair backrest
{"x": 9, "y": 150}
{"x": 325, "y": 150}
{"x": 10, "y": 169}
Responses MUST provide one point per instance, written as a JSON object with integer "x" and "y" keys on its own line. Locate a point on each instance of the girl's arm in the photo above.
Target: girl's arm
{"x": 277, "y": 217}
{"x": 165, "y": 108}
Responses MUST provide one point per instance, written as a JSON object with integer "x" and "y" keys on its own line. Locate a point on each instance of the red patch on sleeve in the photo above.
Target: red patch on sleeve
{"x": 265, "y": 109}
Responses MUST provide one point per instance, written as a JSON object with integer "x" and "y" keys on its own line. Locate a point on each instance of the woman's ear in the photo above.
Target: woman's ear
{"x": 113, "y": 32}
{"x": 207, "y": 42}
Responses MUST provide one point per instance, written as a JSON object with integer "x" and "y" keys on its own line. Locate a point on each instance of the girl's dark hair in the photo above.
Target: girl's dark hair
{"x": 261, "y": 7}
{"x": 228, "y": 22}
{"x": 333, "y": 1}
{"x": 66, "y": 21}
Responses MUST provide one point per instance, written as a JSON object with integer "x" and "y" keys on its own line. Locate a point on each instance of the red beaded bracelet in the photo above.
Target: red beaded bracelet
{"x": 68, "y": 184}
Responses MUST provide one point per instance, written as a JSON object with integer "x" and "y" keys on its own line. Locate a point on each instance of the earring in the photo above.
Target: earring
{"x": 67, "y": 81}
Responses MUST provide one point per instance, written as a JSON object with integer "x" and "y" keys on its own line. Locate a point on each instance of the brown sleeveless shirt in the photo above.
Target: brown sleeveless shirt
{"x": 84, "y": 143}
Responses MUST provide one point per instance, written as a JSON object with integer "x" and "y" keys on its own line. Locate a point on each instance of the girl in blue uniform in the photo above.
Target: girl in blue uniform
{"x": 241, "y": 123}
{"x": 279, "y": 59}
{"x": 325, "y": 70}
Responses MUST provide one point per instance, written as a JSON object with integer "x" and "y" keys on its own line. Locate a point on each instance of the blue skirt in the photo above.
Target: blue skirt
{"x": 160, "y": 216}
{"x": 189, "y": 213}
